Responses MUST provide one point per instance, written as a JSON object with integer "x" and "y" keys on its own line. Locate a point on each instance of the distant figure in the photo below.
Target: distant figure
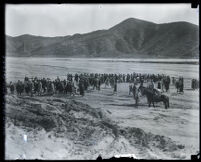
{"x": 130, "y": 88}
{"x": 167, "y": 83}
{"x": 115, "y": 87}
{"x": 81, "y": 88}
{"x": 12, "y": 88}
{"x": 99, "y": 84}
{"x": 177, "y": 85}
{"x": 18, "y": 87}
{"x": 173, "y": 80}
{"x": 52, "y": 87}
{"x": 151, "y": 85}
{"x": 70, "y": 88}
{"x": 40, "y": 88}
{"x": 159, "y": 85}
{"x": 182, "y": 84}
{"x": 135, "y": 94}
{"x": 106, "y": 82}
{"x": 194, "y": 84}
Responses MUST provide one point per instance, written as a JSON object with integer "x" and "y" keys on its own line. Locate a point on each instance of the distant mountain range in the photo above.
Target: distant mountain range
{"x": 132, "y": 38}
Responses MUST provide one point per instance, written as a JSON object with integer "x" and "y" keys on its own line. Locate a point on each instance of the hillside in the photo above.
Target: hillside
{"x": 131, "y": 38}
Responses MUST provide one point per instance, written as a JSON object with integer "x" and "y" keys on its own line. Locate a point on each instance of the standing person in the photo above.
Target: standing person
{"x": 81, "y": 88}
{"x": 106, "y": 82}
{"x": 44, "y": 85}
{"x": 167, "y": 83}
{"x": 96, "y": 83}
{"x": 182, "y": 85}
{"x": 76, "y": 77}
{"x": 115, "y": 86}
{"x": 193, "y": 84}
{"x": 70, "y": 88}
{"x": 135, "y": 94}
{"x": 162, "y": 83}
{"x": 134, "y": 89}
{"x": 36, "y": 86}
{"x": 40, "y": 88}
{"x": 73, "y": 88}
{"x": 26, "y": 87}
{"x": 177, "y": 84}
{"x": 112, "y": 82}
{"x": 159, "y": 84}
{"x": 18, "y": 87}
{"x": 130, "y": 88}
{"x": 173, "y": 80}
{"x": 86, "y": 83}
{"x": 99, "y": 84}
{"x": 30, "y": 87}
{"x": 12, "y": 88}
{"x": 21, "y": 87}
{"x": 196, "y": 84}
{"x": 52, "y": 87}
{"x": 151, "y": 85}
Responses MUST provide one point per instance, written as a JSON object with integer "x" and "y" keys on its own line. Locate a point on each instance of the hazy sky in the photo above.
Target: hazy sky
{"x": 68, "y": 19}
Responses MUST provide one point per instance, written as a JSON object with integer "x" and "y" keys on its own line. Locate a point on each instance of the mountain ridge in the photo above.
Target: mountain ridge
{"x": 131, "y": 38}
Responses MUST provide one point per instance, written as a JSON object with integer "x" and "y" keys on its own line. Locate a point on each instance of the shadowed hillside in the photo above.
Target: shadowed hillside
{"x": 131, "y": 38}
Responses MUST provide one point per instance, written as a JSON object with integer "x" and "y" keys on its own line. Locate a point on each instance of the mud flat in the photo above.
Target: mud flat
{"x": 64, "y": 127}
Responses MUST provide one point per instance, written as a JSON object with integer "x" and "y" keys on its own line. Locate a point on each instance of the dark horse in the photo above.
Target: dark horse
{"x": 152, "y": 97}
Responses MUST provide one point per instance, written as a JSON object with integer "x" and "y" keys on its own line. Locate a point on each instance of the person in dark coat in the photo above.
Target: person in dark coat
{"x": 115, "y": 86}
{"x": 81, "y": 88}
{"x": 18, "y": 87}
{"x": 22, "y": 88}
{"x": 159, "y": 85}
{"x": 69, "y": 88}
{"x": 12, "y": 88}
{"x": 26, "y": 87}
{"x": 130, "y": 88}
{"x": 182, "y": 85}
{"x": 99, "y": 84}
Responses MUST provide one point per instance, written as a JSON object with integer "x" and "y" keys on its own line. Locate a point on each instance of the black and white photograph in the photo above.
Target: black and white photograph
{"x": 101, "y": 80}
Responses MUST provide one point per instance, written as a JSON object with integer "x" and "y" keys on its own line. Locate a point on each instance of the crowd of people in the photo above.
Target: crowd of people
{"x": 80, "y": 83}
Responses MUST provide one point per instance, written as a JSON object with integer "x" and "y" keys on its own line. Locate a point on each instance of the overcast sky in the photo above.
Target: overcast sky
{"x": 68, "y": 19}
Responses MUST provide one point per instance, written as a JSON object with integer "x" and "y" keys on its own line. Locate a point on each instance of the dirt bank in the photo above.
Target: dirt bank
{"x": 61, "y": 128}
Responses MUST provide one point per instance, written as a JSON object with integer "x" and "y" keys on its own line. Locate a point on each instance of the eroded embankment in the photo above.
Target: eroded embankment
{"x": 85, "y": 126}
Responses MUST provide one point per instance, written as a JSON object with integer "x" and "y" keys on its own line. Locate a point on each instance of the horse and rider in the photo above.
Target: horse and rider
{"x": 152, "y": 94}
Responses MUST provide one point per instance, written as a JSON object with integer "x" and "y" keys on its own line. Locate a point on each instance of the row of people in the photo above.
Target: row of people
{"x": 79, "y": 83}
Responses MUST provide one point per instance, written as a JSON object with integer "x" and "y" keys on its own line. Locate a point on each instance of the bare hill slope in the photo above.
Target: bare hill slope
{"x": 131, "y": 38}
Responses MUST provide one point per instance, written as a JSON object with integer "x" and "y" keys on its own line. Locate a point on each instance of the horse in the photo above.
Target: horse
{"x": 152, "y": 97}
